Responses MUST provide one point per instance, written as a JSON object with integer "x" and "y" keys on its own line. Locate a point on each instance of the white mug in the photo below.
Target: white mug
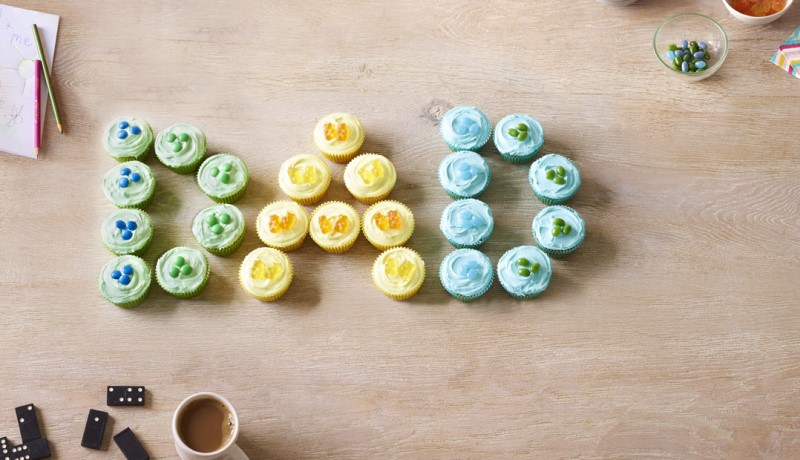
{"x": 230, "y": 451}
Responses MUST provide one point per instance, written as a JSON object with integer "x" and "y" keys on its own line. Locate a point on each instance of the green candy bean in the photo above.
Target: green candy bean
{"x": 561, "y": 171}
{"x": 522, "y": 127}
{"x": 535, "y": 268}
{"x": 559, "y": 180}
{"x": 513, "y": 132}
{"x": 566, "y": 229}
{"x": 524, "y": 272}
{"x": 556, "y": 231}
{"x": 523, "y": 261}
{"x": 558, "y": 221}
{"x": 186, "y": 270}
{"x": 672, "y": 47}
{"x": 550, "y": 174}
{"x": 522, "y": 136}
{"x": 174, "y": 272}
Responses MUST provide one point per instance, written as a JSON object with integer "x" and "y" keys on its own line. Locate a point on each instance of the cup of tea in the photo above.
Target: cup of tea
{"x": 205, "y": 427}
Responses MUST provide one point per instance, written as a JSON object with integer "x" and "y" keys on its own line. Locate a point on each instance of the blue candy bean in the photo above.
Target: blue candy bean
{"x": 124, "y": 280}
{"x": 679, "y": 53}
{"x": 699, "y": 55}
{"x": 132, "y": 225}
{"x": 126, "y": 235}
{"x": 123, "y": 125}
{"x": 700, "y": 64}
{"x": 685, "y": 67}
{"x": 702, "y": 45}
{"x": 123, "y": 182}
{"x": 684, "y": 44}
{"x": 120, "y": 224}
{"x": 670, "y": 55}
{"x": 115, "y": 275}
{"x": 122, "y": 134}
{"x": 124, "y": 171}
{"x": 136, "y": 130}
{"x": 136, "y": 177}
{"x": 128, "y": 270}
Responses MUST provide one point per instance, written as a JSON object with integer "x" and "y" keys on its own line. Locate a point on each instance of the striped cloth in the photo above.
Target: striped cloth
{"x": 788, "y": 55}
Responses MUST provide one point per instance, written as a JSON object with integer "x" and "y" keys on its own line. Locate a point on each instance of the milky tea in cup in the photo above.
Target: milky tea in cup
{"x": 206, "y": 425}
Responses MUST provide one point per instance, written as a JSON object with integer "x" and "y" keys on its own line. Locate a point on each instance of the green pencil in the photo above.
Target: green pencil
{"x": 47, "y": 80}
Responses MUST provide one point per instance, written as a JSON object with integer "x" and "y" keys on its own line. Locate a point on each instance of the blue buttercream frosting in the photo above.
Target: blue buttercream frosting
{"x": 464, "y": 173}
{"x": 519, "y": 285}
{"x": 466, "y": 272}
{"x": 465, "y": 128}
{"x": 537, "y": 177}
{"x": 467, "y": 222}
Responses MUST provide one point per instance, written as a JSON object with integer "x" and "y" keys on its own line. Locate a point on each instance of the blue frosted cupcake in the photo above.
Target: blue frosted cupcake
{"x": 558, "y": 230}
{"x": 464, "y": 174}
{"x": 518, "y": 138}
{"x": 465, "y": 128}
{"x": 524, "y": 272}
{"x": 467, "y": 223}
{"x": 554, "y": 179}
{"x": 466, "y": 274}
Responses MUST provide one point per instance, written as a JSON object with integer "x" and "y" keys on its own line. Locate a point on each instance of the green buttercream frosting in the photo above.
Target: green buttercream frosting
{"x": 136, "y": 192}
{"x": 180, "y": 145}
{"x": 133, "y": 145}
{"x": 213, "y": 230}
{"x": 222, "y": 175}
{"x": 121, "y": 294}
{"x": 187, "y": 280}
{"x": 114, "y": 237}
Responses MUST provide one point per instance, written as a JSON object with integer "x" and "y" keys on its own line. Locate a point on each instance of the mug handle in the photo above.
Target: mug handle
{"x": 235, "y": 453}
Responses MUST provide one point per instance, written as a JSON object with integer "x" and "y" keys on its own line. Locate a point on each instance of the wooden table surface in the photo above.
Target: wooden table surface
{"x": 671, "y": 334}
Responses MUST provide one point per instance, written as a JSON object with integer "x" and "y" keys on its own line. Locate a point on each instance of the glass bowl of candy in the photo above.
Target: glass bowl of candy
{"x": 757, "y": 12}
{"x": 691, "y": 46}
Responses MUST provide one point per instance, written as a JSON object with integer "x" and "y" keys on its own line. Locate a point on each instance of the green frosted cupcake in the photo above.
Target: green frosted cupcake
{"x": 524, "y": 272}
{"x": 125, "y": 281}
{"x": 464, "y": 174}
{"x": 467, "y": 223}
{"x": 558, "y": 230}
{"x": 219, "y": 229}
{"x": 128, "y": 138}
{"x": 223, "y": 178}
{"x": 466, "y": 274}
{"x": 554, "y": 179}
{"x": 129, "y": 185}
{"x": 182, "y": 272}
{"x": 127, "y": 231}
{"x": 518, "y": 138}
{"x": 181, "y": 148}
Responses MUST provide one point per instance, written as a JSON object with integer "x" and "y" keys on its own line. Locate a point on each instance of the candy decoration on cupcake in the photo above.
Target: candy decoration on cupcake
{"x": 526, "y": 268}
{"x": 123, "y": 277}
{"x": 465, "y": 128}
{"x": 125, "y": 128}
{"x": 334, "y": 226}
{"x": 126, "y": 229}
{"x": 266, "y": 274}
{"x": 180, "y": 267}
{"x": 282, "y": 225}
{"x": 128, "y": 177}
{"x": 182, "y": 272}
{"x": 388, "y": 224}
{"x": 339, "y": 136}
{"x": 128, "y": 138}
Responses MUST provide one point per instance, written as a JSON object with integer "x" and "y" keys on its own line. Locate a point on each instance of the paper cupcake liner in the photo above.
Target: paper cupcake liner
{"x": 469, "y": 246}
{"x": 404, "y": 295}
{"x": 273, "y": 297}
{"x": 143, "y": 156}
{"x": 457, "y": 196}
{"x": 190, "y": 294}
{"x": 227, "y": 250}
{"x": 559, "y": 253}
{"x": 552, "y": 202}
{"x": 377, "y": 245}
{"x": 336, "y": 249}
{"x": 309, "y": 200}
{"x": 137, "y": 252}
{"x": 140, "y": 205}
{"x": 519, "y": 159}
{"x": 370, "y": 200}
{"x": 340, "y": 157}
{"x": 465, "y": 298}
{"x": 519, "y": 296}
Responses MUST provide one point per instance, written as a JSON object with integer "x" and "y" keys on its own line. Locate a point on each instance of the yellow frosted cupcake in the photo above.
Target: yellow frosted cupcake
{"x": 399, "y": 273}
{"x": 370, "y": 177}
{"x": 282, "y": 225}
{"x": 304, "y": 178}
{"x": 334, "y": 226}
{"x": 388, "y": 224}
{"x": 266, "y": 274}
{"x": 339, "y": 136}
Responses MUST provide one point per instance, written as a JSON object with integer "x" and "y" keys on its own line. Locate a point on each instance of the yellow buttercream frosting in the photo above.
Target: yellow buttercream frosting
{"x": 339, "y": 136}
{"x": 388, "y": 224}
{"x": 399, "y": 272}
{"x": 334, "y": 226}
{"x": 370, "y": 177}
{"x": 304, "y": 178}
{"x": 282, "y": 225}
{"x": 266, "y": 273}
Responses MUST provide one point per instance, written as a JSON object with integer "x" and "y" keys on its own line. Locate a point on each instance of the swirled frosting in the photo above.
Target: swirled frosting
{"x": 508, "y": 271}
{"x": 370, "y": 176}
{"x": 465, "y": 128}
{"x": 218, "y": 232}
{"x": 466, "y": 272}
{"x": 126, "y": 231}
{"x": 130, "y": 144}
{"x": 543, "y": 228}
{"x": 346, "y": 136}
{"x": 129, "y": 184}
{"x": 222, "y": 175}
{"x": 182, "y": 283}
{"x": 324, "y": 219}
{"x": 464, "y": 173}
{"x": 467, "y": 222}
{"x": 388, "y": 223}
{"x": 176, "y": 152}
{"x": 399, "y": 271}
{"x": 114, "y": 289}
{"x": 266, "y": 272}
{"x": 537, "y": 177}
{"x": 304, "y": 176}
{"x": 287, "y": 231}
{"x": 509, "y": 145}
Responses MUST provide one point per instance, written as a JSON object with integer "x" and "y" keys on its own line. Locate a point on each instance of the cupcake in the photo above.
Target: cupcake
{"x": 304, "y": 178}
{"x": 339, "y": 136}
{"x": 518, "y": 138}
{"x": 465, "y": 128}
{"x": 128, "y": 138}
{"x": 219, "y": 229}
{"x": 282, "y": 225}
{"x": 334, "y": 226}
{"x": 388, "y": 224}
{"x": 182, "y": 272}
{"x": 467, "y": 223}
{"x": 181, "y": 148}
{"x": 558, "y": 230}
{"x": 554, "y": 179}
{"x": 125, "y": 281}
{"x": 464, "y": 175}
{"x": 370, "y": 177}
{"x": 466, "y": 274}
{"x": 223, "y": 177}
{"x": 524, "y": 272}
{"x": 266, "y": 274}
{"x": 129, "y": 185}
{"x": 127, "y": 231}
{"x": 398, "y": 273}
